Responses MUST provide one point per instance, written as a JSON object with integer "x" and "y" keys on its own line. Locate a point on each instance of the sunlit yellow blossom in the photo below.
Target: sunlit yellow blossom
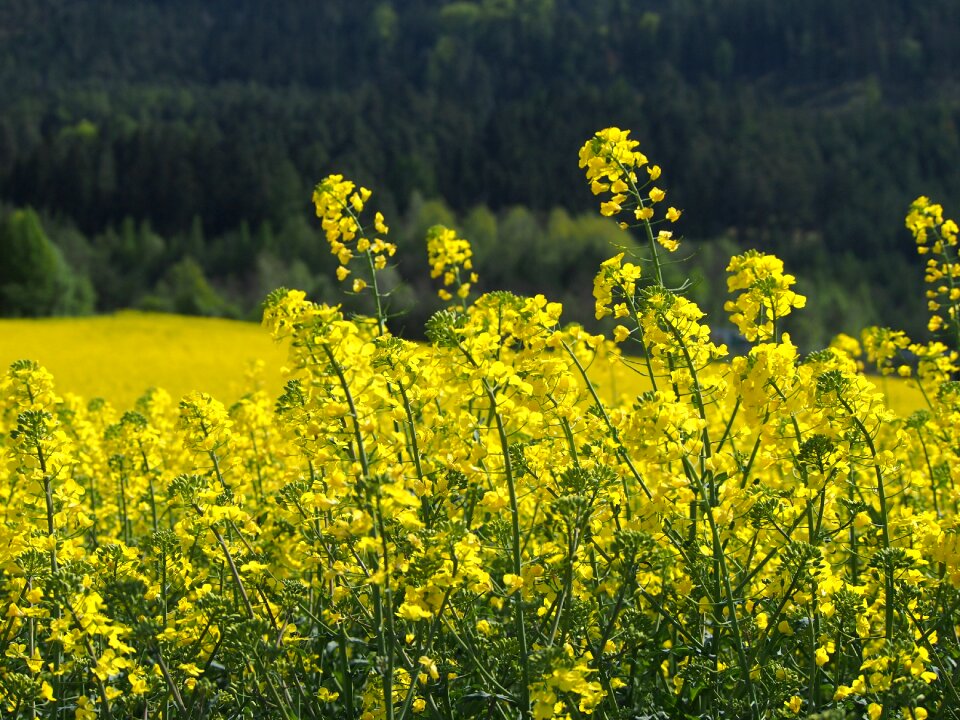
{"x": 512, "y": 583}
{"x": 764, "y": 296}
{"x": 620, "y": 333}
{"x": 451, "y": 258}
{"x": 665, "y": 238}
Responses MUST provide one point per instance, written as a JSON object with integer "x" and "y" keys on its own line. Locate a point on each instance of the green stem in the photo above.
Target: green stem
{"x": 884, "y": 524}
{"x": 345, "y": 669}
{"x": 516, "y": 556}
{"x": 415, "y": 450}
{"x": 233, "y": 569}
{"x": 374, "y": 283}
{"x": 719, "y": 557}
{"x": 933, "y": 480}
{"x": 124, "y": 518}
{"x": 609, "y": 423}
{"x": 171, "y": 685}
{"x": 149, "y": 473}
{"x": 382, "y": 611}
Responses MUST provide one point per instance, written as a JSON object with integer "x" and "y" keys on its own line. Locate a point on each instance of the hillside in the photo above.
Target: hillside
{"x": 170, "y": 147}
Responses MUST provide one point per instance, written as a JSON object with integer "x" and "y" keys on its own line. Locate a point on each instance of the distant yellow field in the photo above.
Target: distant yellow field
{"x": 620, "y": 383}
{"x": 118, "y": 357}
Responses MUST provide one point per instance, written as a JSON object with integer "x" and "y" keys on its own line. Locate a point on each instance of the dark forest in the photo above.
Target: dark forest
{"x": 161, "y": 155}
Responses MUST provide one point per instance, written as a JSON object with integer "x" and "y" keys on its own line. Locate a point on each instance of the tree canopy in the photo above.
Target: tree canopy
{"x": 148, "y": 132}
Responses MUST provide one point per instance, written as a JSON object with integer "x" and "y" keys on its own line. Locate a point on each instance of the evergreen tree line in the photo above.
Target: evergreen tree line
{"x": 169, "y": 148}
{"x": 51, "y": 268}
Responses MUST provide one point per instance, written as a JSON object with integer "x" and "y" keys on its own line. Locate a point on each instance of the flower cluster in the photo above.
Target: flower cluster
{"x": 615, "y": 288}
{"x": 764, "y": 295}
{"x": 612, "y": 163}
{"x": 937, "y": 237}
{"x": 339, "y": 204}
{"x": 450, "y": 258}
{"x": 883, "y": 347}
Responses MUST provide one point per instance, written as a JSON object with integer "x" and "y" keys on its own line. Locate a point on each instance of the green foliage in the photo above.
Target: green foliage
{"x": 35, "y": 280}
{"x": 185, "y": 290}
{"x": 789, "y": 119}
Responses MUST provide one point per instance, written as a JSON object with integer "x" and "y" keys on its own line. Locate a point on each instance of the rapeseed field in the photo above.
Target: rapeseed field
{"x": 118, "y": 357}
{"x": 473, "y": 527}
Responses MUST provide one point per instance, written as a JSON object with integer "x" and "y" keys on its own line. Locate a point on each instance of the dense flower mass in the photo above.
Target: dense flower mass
{"x": 763, "y": 298}
{"x": 466, "y": 528}
{"x": 450, "y": 258}
{"x": 937, "y": 237}
{"x": 612, "y": 164}
{"x": 339, "y": 204}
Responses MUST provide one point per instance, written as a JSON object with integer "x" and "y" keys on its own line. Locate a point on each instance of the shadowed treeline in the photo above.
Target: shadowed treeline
{"x": 169, "y": 149}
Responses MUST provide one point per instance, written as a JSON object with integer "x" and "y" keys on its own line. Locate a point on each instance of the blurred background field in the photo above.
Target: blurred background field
{"x": 620, "y": 383}
{"x": 117, "y": 357}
